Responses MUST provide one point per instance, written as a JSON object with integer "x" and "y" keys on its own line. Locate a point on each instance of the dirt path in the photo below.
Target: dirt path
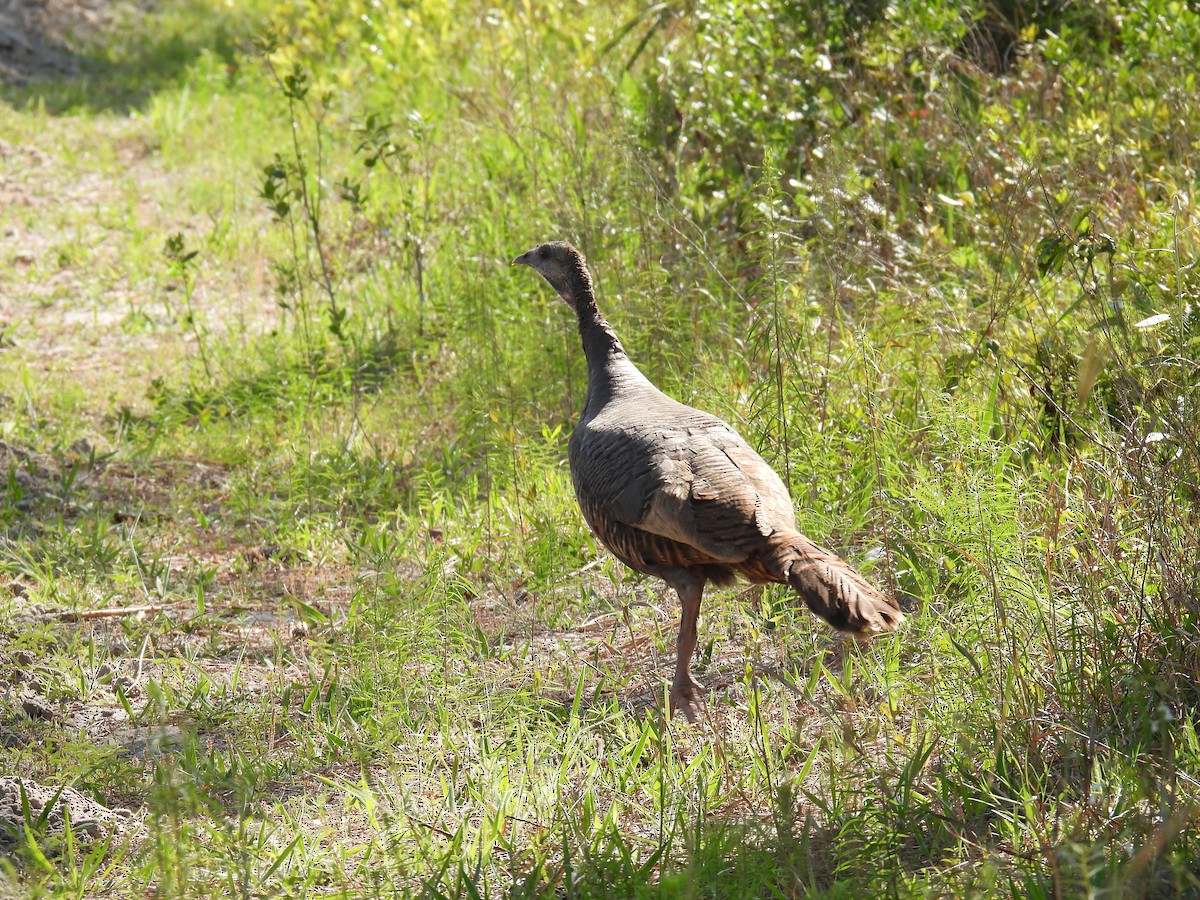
{"x": 90, "y": 314}
{"x": 40, "y": 38}
{"x": 87, "y": 201}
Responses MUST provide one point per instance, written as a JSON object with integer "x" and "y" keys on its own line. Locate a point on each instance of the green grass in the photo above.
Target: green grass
{"x": 287, "y": 537}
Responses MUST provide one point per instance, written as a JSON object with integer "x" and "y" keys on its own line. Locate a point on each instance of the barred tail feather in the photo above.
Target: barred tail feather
{"x": 835, "y": 592}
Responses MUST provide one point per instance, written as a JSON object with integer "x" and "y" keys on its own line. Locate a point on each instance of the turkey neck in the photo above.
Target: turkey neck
{"x": 609, "y": 368}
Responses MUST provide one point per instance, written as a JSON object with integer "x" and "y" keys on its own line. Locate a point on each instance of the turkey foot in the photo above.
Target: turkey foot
{"x": 685, "y": 697}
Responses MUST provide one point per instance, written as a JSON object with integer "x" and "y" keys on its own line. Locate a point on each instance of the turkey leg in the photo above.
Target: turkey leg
{"x": 684, "y": 689}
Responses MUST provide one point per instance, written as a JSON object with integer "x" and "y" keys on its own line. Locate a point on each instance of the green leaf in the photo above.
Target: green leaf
{"x": 1051, "y": 252}
{"x": 656, "y": 9}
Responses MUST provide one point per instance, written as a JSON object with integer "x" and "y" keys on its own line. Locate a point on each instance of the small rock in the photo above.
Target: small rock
{"x": 88, "y": 818}
{"x": 20, "y": 479}
{"x": 37, "y": 708}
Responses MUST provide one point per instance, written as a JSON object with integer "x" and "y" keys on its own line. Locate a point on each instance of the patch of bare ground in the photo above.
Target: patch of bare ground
{"x": 629, "y": 650}
{"x": 40, "y": 38}
{"x": 86, "y": 296}
{"x": 241, "y": 637}
{"x": 86, "y": 205}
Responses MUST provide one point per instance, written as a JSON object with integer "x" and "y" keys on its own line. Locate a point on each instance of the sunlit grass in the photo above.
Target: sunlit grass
{"x": 351, "y": 636}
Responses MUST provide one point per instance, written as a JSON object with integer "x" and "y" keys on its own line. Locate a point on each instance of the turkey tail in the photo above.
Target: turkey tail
{"x": 834, "y": 591}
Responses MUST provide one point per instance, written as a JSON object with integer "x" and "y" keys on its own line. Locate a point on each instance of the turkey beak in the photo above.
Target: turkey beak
{"x": 523, "y": 259}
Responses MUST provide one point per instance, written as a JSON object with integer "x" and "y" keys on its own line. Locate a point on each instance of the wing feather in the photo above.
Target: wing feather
{"x": 695, "y": 491}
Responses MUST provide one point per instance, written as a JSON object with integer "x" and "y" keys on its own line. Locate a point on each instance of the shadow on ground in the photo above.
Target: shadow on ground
{"x": 95, "y": 55}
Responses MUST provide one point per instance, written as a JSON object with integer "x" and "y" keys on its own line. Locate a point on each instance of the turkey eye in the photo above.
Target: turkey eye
{"x": 543, "y": 252}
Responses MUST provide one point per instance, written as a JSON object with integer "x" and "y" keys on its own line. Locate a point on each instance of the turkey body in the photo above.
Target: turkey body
{"x": 677, "y": 493}
{"x": 666, "y": 487}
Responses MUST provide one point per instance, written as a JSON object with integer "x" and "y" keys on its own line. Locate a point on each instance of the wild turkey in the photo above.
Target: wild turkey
{"x": 675, "y": 492}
